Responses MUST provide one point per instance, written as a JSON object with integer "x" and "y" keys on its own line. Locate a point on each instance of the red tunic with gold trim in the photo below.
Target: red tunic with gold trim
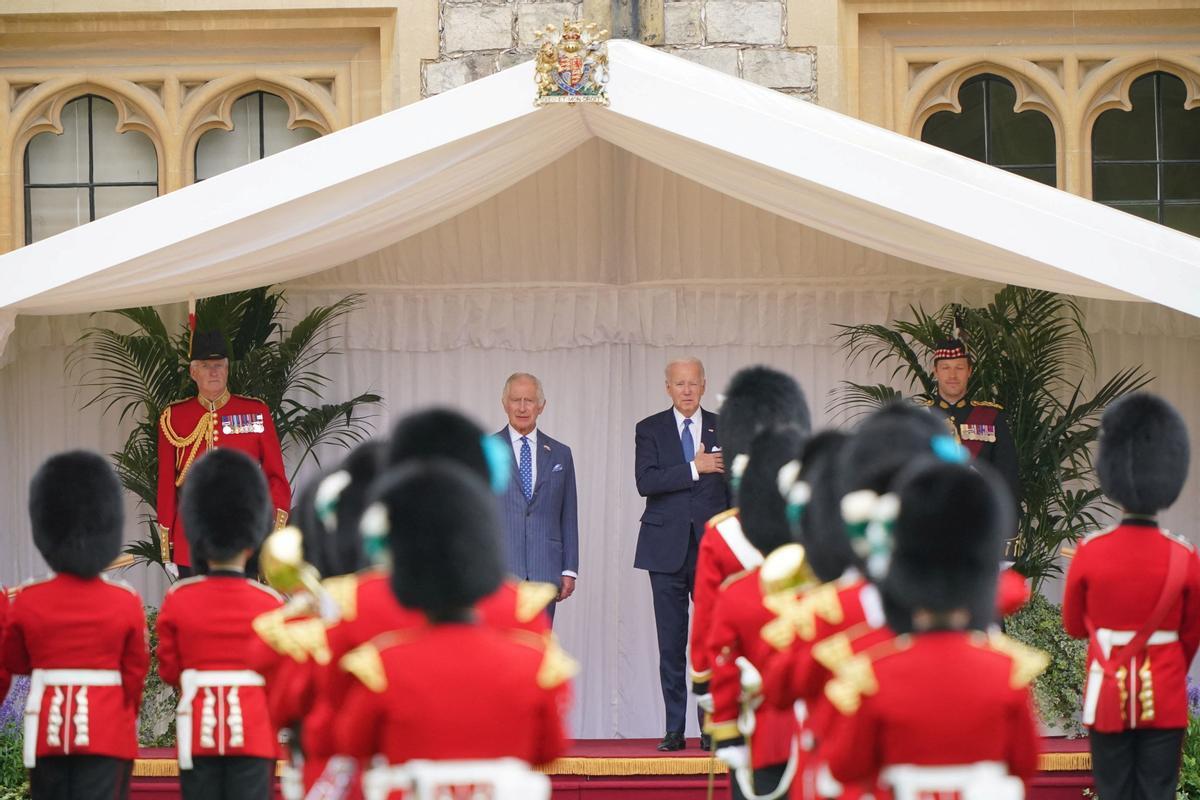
{"x": 724, "y": 551}
{"x": 84, "y": 641}
{"x": 738, "y": 618}
{"x": 1115, "y": 580}
{"x": 204, "y": 628}
{"x": 935, "y": 699}
{"x": 187, "y": 429}
{"x": 456, "y": 691}
{"x": 5, "y": 678}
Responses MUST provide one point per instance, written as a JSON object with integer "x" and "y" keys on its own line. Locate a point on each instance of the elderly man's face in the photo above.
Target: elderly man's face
{"x": 211, "y": 376}
{"x": 685, "y": 385}
{"x": 522, "y": 406}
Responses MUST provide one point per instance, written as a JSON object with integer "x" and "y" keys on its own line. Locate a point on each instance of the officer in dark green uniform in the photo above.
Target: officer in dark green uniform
{"x": 981, "y": 426}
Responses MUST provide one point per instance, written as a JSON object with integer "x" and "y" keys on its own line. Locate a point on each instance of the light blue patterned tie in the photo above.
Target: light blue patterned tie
{"x": 689, "y": 447}
{"x": 526, "y": 468}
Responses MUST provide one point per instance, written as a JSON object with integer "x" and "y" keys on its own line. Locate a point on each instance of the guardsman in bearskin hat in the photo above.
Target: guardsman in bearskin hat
{"x": 226, "y": 742}
{"x": 1134, "y": 593}
{"x": 453, "y": 688}
{"x": 79, "y": 636}
{"x": 758, "y": 758}
{"x": 756, "y": 398}
{"x": 212, "y": 419}
{"x": 981, "y": 426}
{"x": 944, "y": 707}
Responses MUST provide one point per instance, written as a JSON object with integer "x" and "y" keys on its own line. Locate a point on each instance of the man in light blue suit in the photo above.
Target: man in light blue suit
{"x": 541, "y": 519}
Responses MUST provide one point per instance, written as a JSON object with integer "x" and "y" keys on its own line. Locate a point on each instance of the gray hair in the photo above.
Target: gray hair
{"x": 684, "y": 362}
{"x": 526, "y": 376}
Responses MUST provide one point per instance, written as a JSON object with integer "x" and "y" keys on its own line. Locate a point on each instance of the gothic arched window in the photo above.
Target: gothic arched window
{"x": 989, "y": 130}
{"x": 260, "y": 129}
{"x": 1147, "y": 160}
{"x": 86, "y": 172}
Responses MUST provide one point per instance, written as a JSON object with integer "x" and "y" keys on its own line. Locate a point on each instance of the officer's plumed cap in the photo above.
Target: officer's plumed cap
{"x": 763, "y": 511}
{"x": 950, "y": 348}
{"x": 948, "y": 541}
{"x": 225, "y": 505}
{"x": 1144, "y": 453}
{"x": 208, "y": 345}
{"x": 76, "y": 513}
{"x": 443, "y": 533}
{"x": 758, "y": 398}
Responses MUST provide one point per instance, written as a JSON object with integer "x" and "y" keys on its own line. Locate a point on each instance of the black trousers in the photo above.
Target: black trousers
{"x": 672, "y": 591}
{"x": 80, "y": 778}
{"x": 1138, "y": 764}
{"x": 227, "y": 778}
{"x": 765, "y": 781}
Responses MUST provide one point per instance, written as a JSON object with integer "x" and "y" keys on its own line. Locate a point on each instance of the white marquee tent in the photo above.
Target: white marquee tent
{"x": 697, "y": 214}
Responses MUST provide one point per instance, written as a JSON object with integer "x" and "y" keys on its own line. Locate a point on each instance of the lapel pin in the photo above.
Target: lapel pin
{"x": 546, "y": 447}
{"x": 710, "y": 430}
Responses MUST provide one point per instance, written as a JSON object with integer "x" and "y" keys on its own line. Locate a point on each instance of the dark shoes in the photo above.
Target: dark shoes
{"x": 705, "y": 742}
{"x": 671, "y": 742}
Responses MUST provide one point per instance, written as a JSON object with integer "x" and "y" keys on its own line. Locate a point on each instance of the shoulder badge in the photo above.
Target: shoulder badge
{"x": 987, "y": 404}
{"x": 798, "y": 615}
{"x": 1096, "y": 535}
{"x": 250, "y": 397}
{"x": 923, "y": 401}
{"x": 299, "y": 639}
{"x": 185, "y": 582}
{"x": 833, "y": 652}
{"x": 724, "y": 515}
{"x": 365, "y": 663}
{"x": 532, "y": 599}
{"x": 262, "y": 587}
{"x": 120, "y": 584}
{"x": 1027, "y": 662}
{"x": 1177, "y": 539}
{"x": 343, "y": 589}
{"x": 557, "y": 667}
{"x": 854, "y": 678}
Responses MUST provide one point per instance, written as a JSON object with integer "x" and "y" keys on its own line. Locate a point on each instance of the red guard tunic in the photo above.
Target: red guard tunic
{"x": 936, "y": 699}
{"x": 84, "y": 639}
{"x": 204, "y": 628}
{"x": 738, "y": 619}
{"x": 1115, "y": 580}
{"x": 187, "y": 429}
{"x": 724, "y": 551}
{"x": 5, "y": 678}
{"x": 456, "y": 691}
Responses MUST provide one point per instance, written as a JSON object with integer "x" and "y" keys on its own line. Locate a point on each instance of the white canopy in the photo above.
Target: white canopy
{"x": 369, "y": 186}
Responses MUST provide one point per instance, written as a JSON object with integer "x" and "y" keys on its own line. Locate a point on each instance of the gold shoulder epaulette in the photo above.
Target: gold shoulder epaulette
{"x": 1028, "y": 662}
{"x": 557, "y": 667}
{"x": 923, "y": 401}
{"x": 987, "y": 404}
{"x": 251, "y": 397}
{"x": 798, "y": 616}
{"x": 298, "y": 639}
{"x": 532, "y": 599}
{"x": 854, "y": 678}
{"x": 344, "y": 591}
{"x": 833, "y": 652}
{"x": 724, "y": 515}
{"x": 735, "y": 577}
{"x": 364, "y": 663}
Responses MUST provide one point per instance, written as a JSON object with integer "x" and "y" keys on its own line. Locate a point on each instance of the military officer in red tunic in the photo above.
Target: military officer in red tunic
{"x": 756, "y": 398}
{"x": 212, "y": 419}
{"x": 1134, "y": 592}
{"x": 943, "y": 708}
{"x": 79, "y": 636}
{"x": 415, "y": 689}
{"x": 226, "y": 742}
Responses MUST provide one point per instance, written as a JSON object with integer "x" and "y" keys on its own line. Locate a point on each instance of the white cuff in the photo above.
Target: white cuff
{"x": 695, "y": 472}
{"x": 567, "y": 573}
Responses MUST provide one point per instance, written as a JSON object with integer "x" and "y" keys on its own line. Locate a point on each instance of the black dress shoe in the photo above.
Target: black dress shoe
{"x": 705, "y": 742}
{"x": 672, "y": 741}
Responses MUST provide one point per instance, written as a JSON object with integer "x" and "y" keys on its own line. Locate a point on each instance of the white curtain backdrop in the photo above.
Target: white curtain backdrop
{"x": 656, "y": 267}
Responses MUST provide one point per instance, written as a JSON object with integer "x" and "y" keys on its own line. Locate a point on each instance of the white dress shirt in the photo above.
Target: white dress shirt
{"x": 515, "y": 438}
{"x": 697, "y": 420}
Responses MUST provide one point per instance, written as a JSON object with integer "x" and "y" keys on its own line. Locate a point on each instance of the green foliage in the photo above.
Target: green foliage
{"x": 1189, "y": 766}
{"x": 1033, "y": 356}
{"x": 156, "y": 719}
{"x": 1058, "y": 689}
{"x": 14, "y": 780}
{"x": 136, "y": 375}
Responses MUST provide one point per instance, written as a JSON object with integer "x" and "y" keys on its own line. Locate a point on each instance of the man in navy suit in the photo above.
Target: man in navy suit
{"x": 541, "y": 521}
{"x": 680, "y": 476}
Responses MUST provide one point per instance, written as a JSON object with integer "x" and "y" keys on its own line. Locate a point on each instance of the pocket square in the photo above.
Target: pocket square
{"x": 557, "y": 468}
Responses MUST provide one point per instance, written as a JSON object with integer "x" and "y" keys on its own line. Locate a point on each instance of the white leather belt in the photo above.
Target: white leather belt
{"x": 982, "y": 779}
{"x": 192, "y": 681}
{"x": 39, "y": 680}
{"x": 504, "y": 779}
{"x": 1107, "y": 639}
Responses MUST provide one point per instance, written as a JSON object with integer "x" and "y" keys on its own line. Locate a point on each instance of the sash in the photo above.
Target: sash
{"x": 981, "y": 418}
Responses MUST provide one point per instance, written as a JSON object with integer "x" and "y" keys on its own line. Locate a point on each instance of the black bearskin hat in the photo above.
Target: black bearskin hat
{"x": 885, "y": 442}
{"x": 1144, "y": 453}
{"x": 440, "y": 433}
{"x": 763, "y": 511}
{"x": 77, "y": 514}
{"x": 444, "y": 534}
{"x": 225, "y": 505}
{"x": 947, "y": 541}
{"x": 758, "y": 398}
{"x": 340, "y": 500}
{"x": 822, "y": 530}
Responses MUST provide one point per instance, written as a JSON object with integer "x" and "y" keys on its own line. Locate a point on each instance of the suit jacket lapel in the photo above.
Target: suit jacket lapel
{"x": 708, "y": 431}
{"x": 543, "y": 463}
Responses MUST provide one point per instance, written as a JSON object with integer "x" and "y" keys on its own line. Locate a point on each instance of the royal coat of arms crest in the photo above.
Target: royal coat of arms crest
{"x": 572, "y": 64}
